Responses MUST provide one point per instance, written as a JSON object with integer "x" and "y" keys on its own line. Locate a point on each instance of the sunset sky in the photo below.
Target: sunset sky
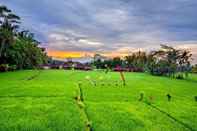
{"x": 74, "y": 28}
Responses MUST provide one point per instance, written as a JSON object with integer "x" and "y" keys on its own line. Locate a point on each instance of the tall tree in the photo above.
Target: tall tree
{"x": 170, "y": 61}
{"x": 8, "y": 28}
{"x": 18, "y": 48}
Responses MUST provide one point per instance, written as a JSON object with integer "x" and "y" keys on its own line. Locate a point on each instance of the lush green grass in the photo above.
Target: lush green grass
{"x": 46, "y": 102}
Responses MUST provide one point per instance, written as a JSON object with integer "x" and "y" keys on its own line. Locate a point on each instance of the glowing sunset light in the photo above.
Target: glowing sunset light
{"x": 62, "y": 54}
{"x": 110, "y": 28}
{"x": 76, "y": 54}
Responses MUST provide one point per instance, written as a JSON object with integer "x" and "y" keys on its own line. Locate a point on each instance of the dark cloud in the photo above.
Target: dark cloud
{"x": 108, "y": 25}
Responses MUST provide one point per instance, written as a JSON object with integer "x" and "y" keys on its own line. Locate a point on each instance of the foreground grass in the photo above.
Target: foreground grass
{"x": 46, "y": 102}
{"x": 42, "y": 104}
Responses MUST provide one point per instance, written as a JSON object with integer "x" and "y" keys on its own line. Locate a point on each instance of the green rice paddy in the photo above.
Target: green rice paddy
{"x": 51, "y": 100}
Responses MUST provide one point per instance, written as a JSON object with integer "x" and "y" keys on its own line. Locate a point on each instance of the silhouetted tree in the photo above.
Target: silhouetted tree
{"x": 169, "y": 61}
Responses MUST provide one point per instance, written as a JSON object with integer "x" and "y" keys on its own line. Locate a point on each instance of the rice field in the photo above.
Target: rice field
{"x": 59, "y": 100}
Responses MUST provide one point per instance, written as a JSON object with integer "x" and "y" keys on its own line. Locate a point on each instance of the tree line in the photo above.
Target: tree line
{"x": 167, "y": 61}
{"x": 18, "y": 48}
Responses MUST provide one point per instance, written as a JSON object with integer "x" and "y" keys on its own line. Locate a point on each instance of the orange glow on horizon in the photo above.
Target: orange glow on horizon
{"x": 77, "y": 54}
{"x": 67, "y": 54}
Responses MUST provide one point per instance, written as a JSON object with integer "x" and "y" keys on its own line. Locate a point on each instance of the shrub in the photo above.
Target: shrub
{"x": 169, "y": 97}
{"x": 4, "y": 67}
{"x": 141, "y": 96}
{"x": 195, "y": 97}
{"x": 138, "y": 69}
{"x": 12, "y": 68}
{"x": 179, "y": 76}
{"x": 55, "y": 66}
{"x": 194, "y": 69}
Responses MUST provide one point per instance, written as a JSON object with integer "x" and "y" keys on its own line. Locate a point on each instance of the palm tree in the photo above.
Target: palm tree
{"x": 8, "y": 29}
{"x": 170, "y": 61}
{"x": 3, "y": 10}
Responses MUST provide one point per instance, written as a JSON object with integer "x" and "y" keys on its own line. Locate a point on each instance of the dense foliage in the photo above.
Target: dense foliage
{"x": 18, "y": 49}
{"x": 169, "y": 61}
{"x": 166, "y": 61}
{"x": 194, "y": 69}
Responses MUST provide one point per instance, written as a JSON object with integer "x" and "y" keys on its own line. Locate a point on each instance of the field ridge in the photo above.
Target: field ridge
{"x": 81, "y": 104}
{"x": 170, "y": 116}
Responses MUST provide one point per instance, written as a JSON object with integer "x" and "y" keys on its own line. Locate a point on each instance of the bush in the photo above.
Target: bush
{"x": 12, "y": 68}
{"x": 4, "y": 67}
{"x": 194, "y": 69}
{"x": 138, "y": 69}
{"x": 179, "y": 76}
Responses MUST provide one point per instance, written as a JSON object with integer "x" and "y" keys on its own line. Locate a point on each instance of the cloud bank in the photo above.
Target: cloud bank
{"x": 109, "y": 26}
